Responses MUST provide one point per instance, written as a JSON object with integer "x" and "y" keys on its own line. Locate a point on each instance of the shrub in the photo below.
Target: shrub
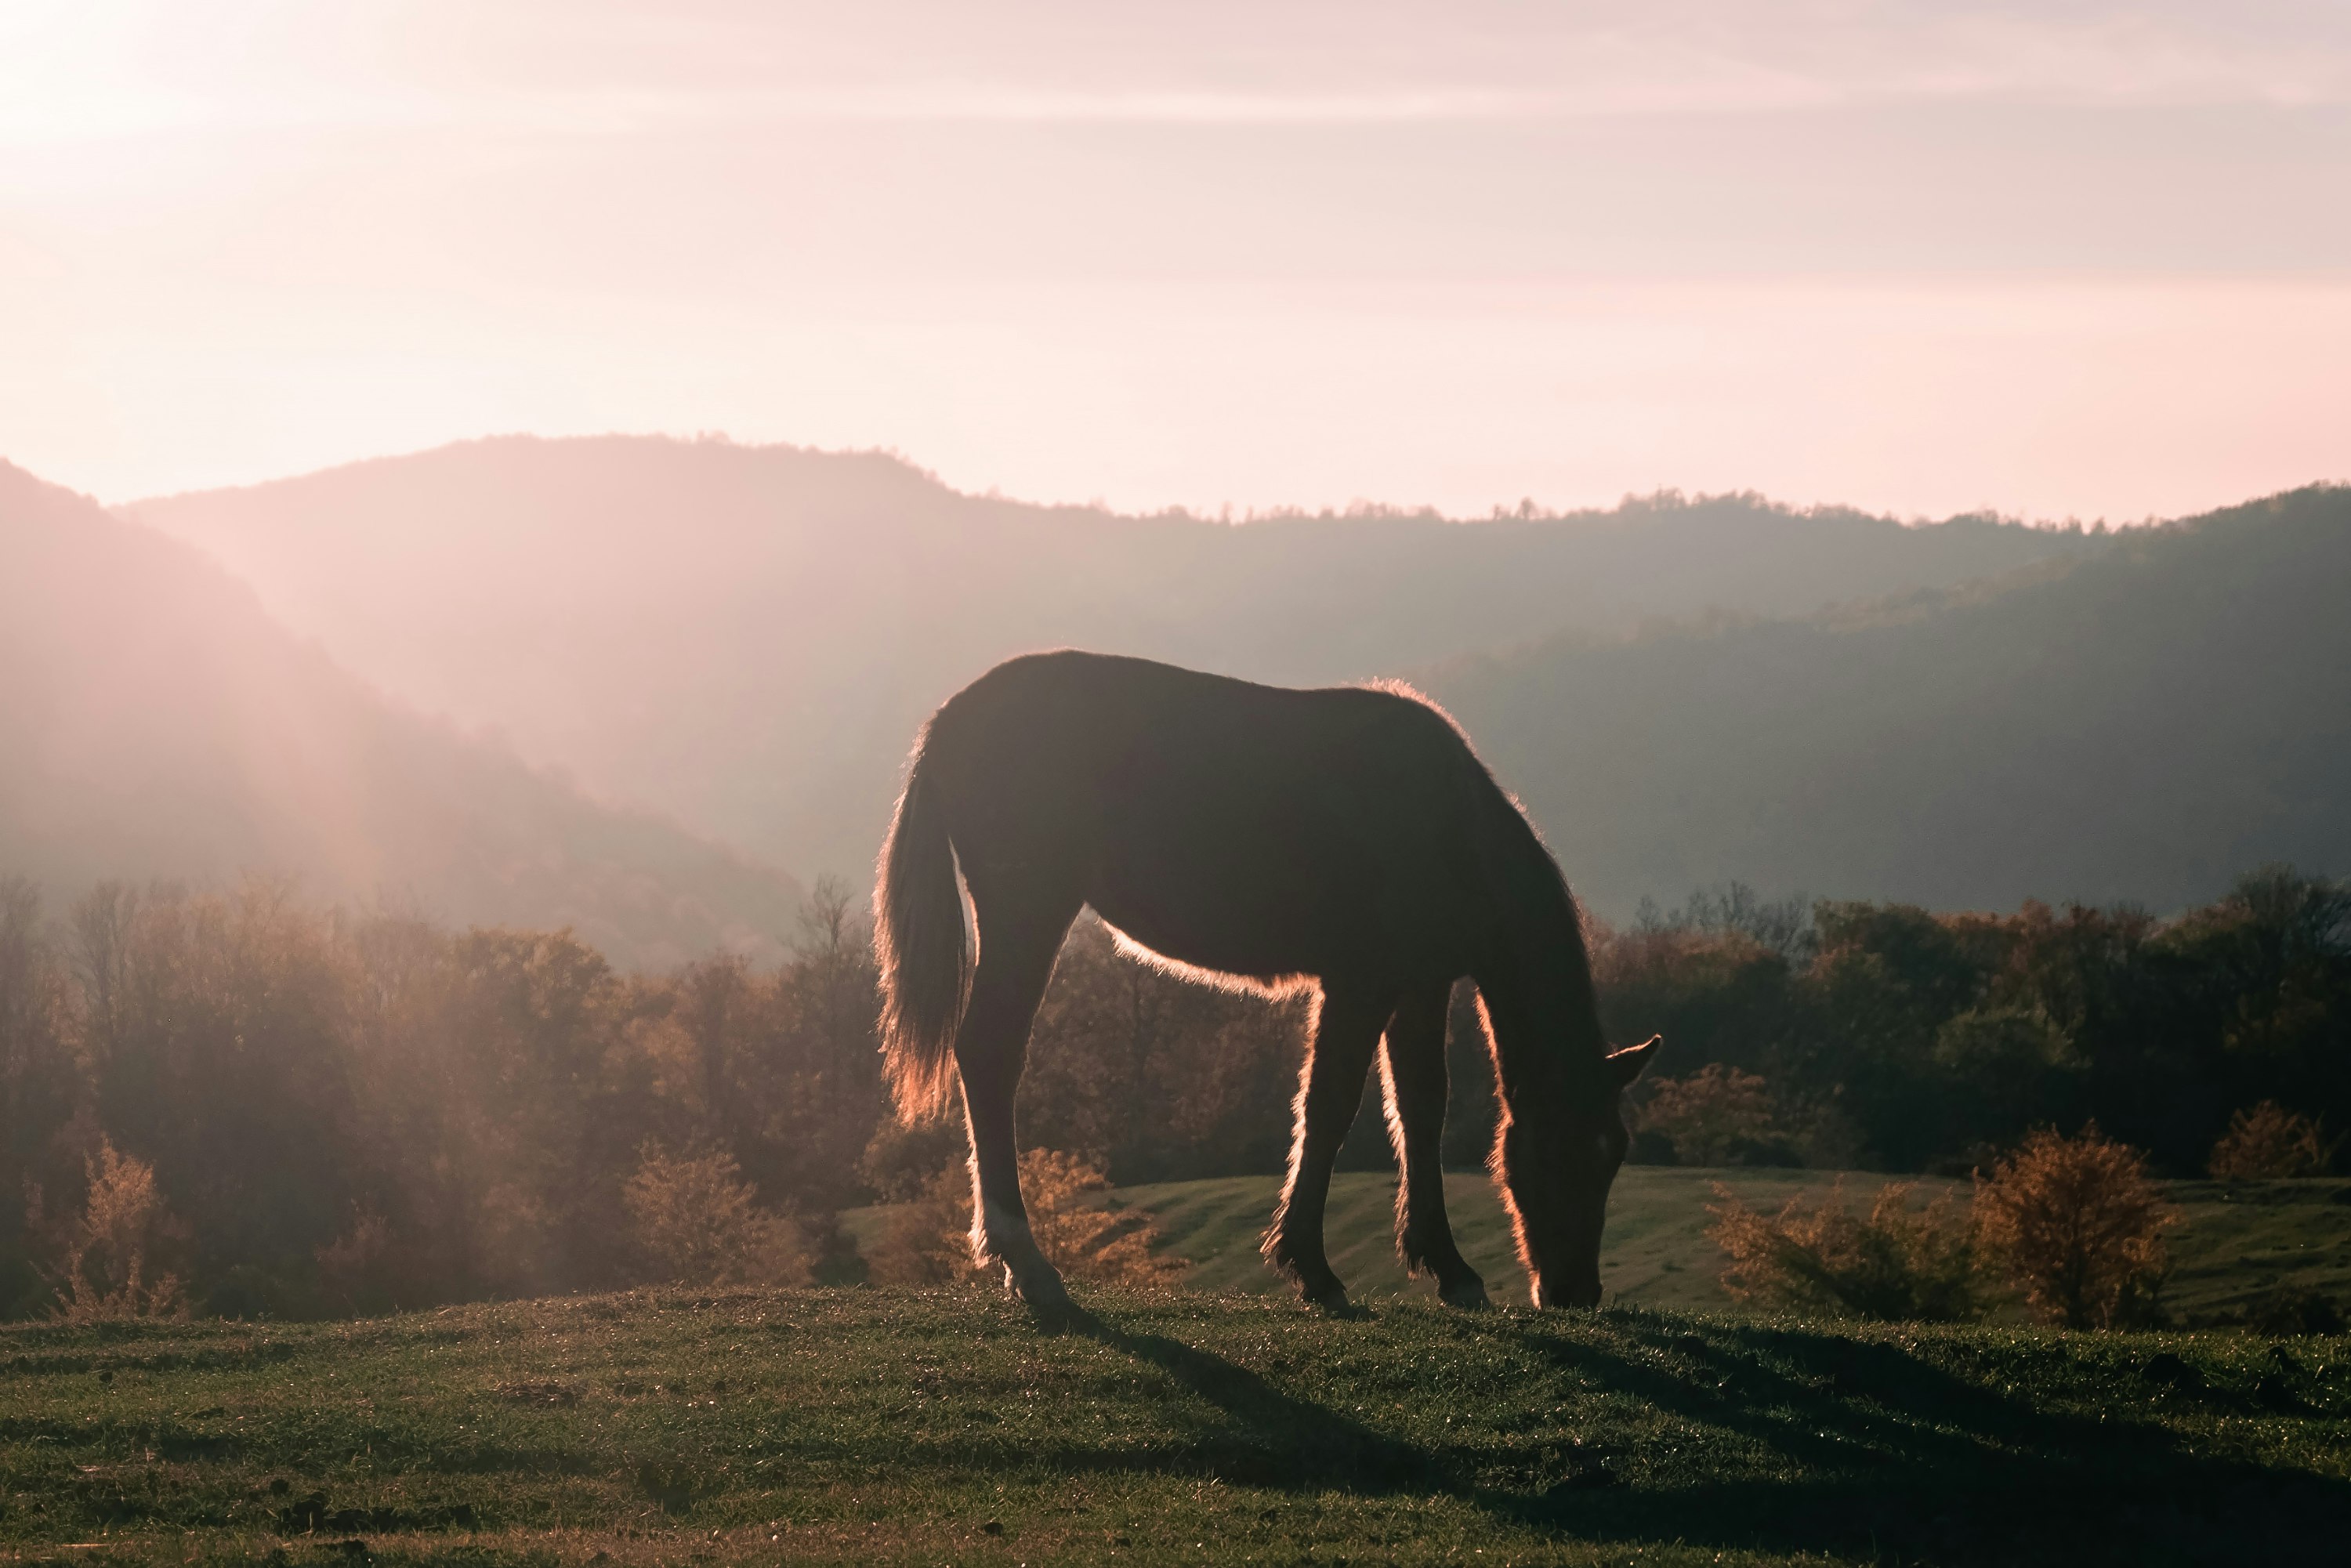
{"x": 901, "y": 1162}
{"x": 109, "y": 1249}
{"x": 929, "y": 1241}
{"x": 360, "y": 1272}
{"x": 2003, "y": 1069}
{"x": 2078, "y": 1225}
{"x": 698, "y": 1223}
{"x": 926, "y": 1239}
{"x": 1090, "y": 1241}
{"x": 2293, "y": 1309}
{"x": 1900, "y": 1263}
{"x": 1715, "y": 1116}
{"x": 2268, "y": 1140}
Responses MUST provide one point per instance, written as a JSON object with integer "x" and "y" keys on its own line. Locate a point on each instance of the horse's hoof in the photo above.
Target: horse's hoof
{"x": 1331, "y": 1296}
{"x": 1057, "y": 1313}
{"x": 1469, "y": 1294}
{"x": 1041, "y": 1293}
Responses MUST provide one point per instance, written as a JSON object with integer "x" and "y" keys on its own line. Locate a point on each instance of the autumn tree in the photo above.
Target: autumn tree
{"x": 2079, "y": 1225}
{"x": 1715, "y": 1116}
{"x": 2266, "y": 1142}
{"x": 1901, "y": 1262}
{"x": 111, "y": 1253}
{"x": 927, "y": 1241}
{"x": 697, "y": 1222}
{"x": 40, "y": 1084}
{"x": 1160, "y": 1076}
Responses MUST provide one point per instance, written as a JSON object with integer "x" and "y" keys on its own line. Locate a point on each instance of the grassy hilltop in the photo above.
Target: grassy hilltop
{"x": 869, "y": 1425}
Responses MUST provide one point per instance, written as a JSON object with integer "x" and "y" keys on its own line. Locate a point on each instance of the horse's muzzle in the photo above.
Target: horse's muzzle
{"x": 1582, "y": 1292}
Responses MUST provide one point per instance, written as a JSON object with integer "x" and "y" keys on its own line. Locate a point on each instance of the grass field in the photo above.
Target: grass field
{"x": 2235, "y": 1242}
{"x": 861, "y": 1425}
{"x": 1219, "y": 1424}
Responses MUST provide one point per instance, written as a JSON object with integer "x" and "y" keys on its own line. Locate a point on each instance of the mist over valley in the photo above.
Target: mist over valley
{"x": 1682, "y": 691}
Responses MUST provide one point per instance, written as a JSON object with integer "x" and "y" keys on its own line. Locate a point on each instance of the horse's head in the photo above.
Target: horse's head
{"x": 1559, "y": 1167}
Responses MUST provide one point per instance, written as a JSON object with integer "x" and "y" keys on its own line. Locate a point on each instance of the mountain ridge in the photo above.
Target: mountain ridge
{"x": 2138, "y": 726}
{"x": 746, "y": 638}
{"x": 156, "y": 723}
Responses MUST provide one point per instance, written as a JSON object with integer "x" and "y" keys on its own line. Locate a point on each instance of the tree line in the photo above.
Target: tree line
{"x": 1887, "y": 1037}
{"x": 287, "y": 1109}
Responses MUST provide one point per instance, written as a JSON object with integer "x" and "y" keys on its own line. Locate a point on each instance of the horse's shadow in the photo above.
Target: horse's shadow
{"x": 1275, "y": 1439}
{"x": 1884, "y": 1453}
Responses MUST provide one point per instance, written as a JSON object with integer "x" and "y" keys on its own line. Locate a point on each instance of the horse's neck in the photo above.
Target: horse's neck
{"x": 1546, "y": 987}
{"x": 1538, "y": 928}
{"x": 1540, "y": 1000}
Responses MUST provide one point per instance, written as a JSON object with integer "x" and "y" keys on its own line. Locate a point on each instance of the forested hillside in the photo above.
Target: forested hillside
{"x": 1684, "y": 693}
{"x": 154, "y": 722}
{"x": 341, "y": 1110}
{"x": 748, "y": 637}
{"x": 2140, "y": 725}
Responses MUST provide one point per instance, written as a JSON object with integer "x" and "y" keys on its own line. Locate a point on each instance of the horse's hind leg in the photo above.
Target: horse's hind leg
{"x": 1020, "y": 935}
{"x": 1412, "y": 1068}
{"x": 1346, "y": 1031}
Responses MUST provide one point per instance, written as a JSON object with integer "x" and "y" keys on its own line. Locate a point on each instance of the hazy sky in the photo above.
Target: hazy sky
{"x": 2055, "y": 257}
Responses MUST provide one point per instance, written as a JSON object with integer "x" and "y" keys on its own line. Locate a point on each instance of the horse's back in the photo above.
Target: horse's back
{"x": 1120, "y": 737}
{"x": 1253, "y": 829}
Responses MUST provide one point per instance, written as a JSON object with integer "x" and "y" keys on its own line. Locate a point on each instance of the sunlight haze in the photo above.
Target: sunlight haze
{"x": 2053, "y": 260}
{"x": 732, "y": 733}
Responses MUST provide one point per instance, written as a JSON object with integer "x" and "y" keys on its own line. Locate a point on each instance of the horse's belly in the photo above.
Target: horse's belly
{"x": 1219, "y": 948}
{"x": 1259, "y": 919}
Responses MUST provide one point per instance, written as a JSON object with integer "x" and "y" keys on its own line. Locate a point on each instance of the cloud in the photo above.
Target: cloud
{"x": 115, "y": 68}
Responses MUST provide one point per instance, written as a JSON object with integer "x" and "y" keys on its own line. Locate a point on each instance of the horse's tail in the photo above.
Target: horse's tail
{"x": 918, "y": 943}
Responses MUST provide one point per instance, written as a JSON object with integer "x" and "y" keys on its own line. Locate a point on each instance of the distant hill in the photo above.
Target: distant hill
{"x": 154, "y": 722}
{"x": 746, "y": 637}
{"x": 2142, "y": 724}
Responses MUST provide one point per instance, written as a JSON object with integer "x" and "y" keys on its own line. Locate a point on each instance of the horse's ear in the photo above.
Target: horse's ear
{"x": 1628, "y": 1063}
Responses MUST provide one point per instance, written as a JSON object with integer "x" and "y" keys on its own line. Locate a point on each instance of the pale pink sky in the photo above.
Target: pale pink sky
{"x": 2054, "y": 258}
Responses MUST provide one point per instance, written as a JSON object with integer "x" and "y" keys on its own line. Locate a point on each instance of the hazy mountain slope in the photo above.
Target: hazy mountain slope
{"x": 154, "y": 722}
{"x": 748, "y": 637}
{"x": 2142, "y": 726}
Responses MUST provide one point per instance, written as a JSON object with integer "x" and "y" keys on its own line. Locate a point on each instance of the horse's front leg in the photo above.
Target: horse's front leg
{"x": 1346, "y": 1031}
{"x": 1412, "y": 1073}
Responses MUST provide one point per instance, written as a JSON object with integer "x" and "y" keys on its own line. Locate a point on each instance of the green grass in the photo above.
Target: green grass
{"x": 2234, "y": 1243}
{"x": 1221, "y": 1424}
{"x": 1654, "y": 1251}
{"x": 862, "y": 1425}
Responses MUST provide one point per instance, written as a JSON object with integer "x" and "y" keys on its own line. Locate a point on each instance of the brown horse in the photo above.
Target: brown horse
{"x": 1345, "y": 837}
